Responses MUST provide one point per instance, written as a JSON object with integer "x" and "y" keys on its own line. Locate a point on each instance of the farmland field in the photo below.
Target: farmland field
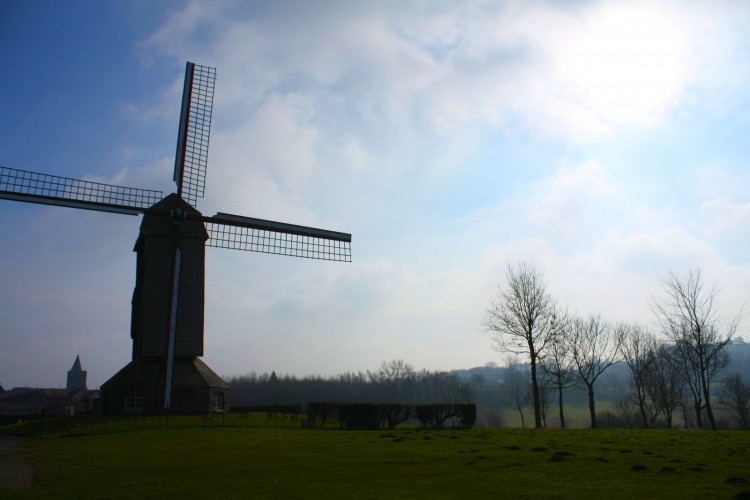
{"x": 240, "y": 460}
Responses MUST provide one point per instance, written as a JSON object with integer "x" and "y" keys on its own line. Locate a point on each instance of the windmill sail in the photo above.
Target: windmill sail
{"x": 225, "y": 230}
{"x": 34, "y": 187}
{"x": 258, "y": 235}
{"x": 191, "y": 157}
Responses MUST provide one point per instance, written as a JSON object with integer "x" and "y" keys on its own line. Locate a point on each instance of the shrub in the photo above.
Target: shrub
{"x": 359, "y": 416}
{"x": 467, "y": 414}
{"x": 425, "y": 414}
{"x": 394, "y": 414}
{"x": 437, "y": 414}
{"x": 319, "y": 412}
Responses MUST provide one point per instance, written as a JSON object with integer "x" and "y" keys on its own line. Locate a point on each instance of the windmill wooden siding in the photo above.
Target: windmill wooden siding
{"x": 152, "y": 296}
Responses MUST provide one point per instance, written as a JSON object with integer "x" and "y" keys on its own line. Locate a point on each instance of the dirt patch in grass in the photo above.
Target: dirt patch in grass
{"x": 560, "y": 456}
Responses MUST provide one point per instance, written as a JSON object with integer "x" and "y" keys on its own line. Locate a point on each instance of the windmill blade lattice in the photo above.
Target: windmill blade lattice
{"x": 191, "y": 158}
{"x": 278, "y": 238}
{"x": 34, "y": 187}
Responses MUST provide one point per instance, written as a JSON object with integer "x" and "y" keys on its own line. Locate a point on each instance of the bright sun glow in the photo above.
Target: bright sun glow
{"x": 626, "y": 64}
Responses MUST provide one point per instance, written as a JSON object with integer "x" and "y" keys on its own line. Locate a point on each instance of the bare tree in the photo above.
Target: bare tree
{"x": 519, "y": 319}
{"x": 594, "y": 347}
{"x": 688, "y": 317}
{"x": 517, "y": 388}
{"x": 558, "y": 365}
{"x": 442, "y": 387}
{"x": 456, "y": 390}
{"x": 394, "y": 371}
{"x": 664, "y": 383}
{"x": 685, "y": 363}
{"x": 546, "y": 399}
{"x": 638, "y": 348}
{"x": 396, "y": 379}
{"x": 735, "y": 395}
{"x": 625, "y": 414}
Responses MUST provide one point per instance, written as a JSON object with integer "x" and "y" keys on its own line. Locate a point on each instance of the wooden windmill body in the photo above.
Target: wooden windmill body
{"x": 166, "y": 372}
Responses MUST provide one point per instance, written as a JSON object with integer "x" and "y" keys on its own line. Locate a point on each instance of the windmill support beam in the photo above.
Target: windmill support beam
{"x": 46, "y": 189}
{"x": 182, "y": 133}
{"x": 172, "y": 329}
{"x": 280, "y": 227}
{"x": 84, "y": 205}
{"x": 257, "y": 235}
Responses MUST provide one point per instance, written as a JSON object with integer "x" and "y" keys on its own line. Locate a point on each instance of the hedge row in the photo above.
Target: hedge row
{"x": 388, "y": 416}
{"x": 436, "y": 415}
{"x": 268, "y": 409}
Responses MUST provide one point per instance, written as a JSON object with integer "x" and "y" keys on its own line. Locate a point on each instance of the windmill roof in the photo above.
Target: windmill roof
{"x": 157, "y": 220}
{"x": 169, "y": 203}
{"x": 208, "y": 374}
{"x": 186, "y": 372}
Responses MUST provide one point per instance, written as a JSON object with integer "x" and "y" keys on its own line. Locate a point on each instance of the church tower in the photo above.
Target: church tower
{"x": 76, "y": 377}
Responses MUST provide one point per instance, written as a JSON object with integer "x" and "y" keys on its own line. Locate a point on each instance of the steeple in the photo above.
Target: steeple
{"x": 76, "y": 376}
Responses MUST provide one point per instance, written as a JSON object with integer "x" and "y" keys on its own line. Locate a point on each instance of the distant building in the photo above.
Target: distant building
{"x": 76, "y": 377}
{"x": 22, "y": 402}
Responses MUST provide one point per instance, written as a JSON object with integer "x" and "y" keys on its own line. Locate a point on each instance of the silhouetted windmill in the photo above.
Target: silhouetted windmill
{"x": 168, "y": 300}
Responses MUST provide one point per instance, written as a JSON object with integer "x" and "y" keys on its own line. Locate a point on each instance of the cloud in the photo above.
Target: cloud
{"x": 572, "y": 205}
{"x": 447, "y": 66}
{"x": 723, "y": 214}
{"x": 413, "y": 82}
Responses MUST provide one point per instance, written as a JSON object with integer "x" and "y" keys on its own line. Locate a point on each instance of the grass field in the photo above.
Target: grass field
{"x": 243, "y": 459}
{"x": 576, "y": 416}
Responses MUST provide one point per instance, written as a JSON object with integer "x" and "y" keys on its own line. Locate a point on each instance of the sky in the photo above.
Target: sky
{"x": 604, "y": 142}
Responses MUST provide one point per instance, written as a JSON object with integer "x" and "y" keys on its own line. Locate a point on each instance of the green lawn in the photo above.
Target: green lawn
{"x": 250, "y": 461}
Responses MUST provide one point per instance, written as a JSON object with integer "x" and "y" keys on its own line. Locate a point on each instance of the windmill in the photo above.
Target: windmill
{"x": 166, "y": 372}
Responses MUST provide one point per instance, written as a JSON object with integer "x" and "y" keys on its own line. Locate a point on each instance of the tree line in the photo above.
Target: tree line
{"x": 393, "y": 382}
{"x": 389, "y": 415}
{"x": 683, "y": 361}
